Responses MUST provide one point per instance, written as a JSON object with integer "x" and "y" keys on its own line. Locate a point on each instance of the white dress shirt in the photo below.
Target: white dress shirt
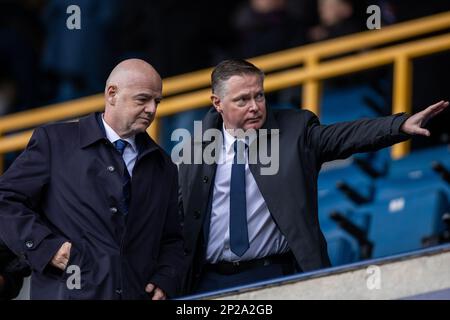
{"x": 130, "y": 153}
{"x": 265, "y": 239}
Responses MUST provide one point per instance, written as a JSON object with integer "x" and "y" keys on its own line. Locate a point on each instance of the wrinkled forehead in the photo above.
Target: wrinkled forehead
{"x": 244, "y": 82}
{"x": 141, "y": 81}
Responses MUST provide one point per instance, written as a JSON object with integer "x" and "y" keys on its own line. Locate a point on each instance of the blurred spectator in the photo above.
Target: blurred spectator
{"x": 338, "y": 18}
{"x": 176, "y": 37}
{"x": 413, "y": 9}
{"x": 265, "y": 26}
{"x": 78, "y": 60}
{"x": 304, "y": 11}
{"x": 20, "y": 34}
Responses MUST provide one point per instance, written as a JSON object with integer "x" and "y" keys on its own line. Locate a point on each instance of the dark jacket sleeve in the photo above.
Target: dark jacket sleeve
{"x": 171, "y": 260}
{"x": 13, "y": 269}
{"x": 12, "y": 286}
{"x": 21, "y": 191}
{"x": 341, "y": 140}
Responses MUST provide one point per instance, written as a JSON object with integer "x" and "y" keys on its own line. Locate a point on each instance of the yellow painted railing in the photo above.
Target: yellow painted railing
{"x": 300, "y": 66}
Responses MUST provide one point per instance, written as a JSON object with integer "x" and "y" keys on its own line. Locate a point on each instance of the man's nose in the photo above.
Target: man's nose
{"x": 253, "y": 105}
{"x": 150, "y": 107}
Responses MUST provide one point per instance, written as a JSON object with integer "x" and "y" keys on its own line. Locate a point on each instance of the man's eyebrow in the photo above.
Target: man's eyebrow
{"x": 242, "y": 95}
{"x": 142, "y": 95}
{"x": 147, "y": 96}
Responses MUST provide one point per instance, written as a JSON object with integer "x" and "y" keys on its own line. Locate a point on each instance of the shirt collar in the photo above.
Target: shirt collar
{"x": 228, "y": 140}
{"x": 112, "y": 135}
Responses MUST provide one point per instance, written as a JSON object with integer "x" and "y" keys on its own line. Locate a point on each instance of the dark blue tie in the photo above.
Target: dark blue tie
{"x": 120, "y": 146}
{"x": 238, "y": 205}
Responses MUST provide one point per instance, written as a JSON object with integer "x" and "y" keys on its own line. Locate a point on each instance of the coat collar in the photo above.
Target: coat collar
{"x": 92, "y": 131}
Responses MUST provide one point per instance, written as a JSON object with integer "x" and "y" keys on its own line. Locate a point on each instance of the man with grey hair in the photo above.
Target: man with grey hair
{"x": 242, "y": 226}
{"x": 92, "y": 205}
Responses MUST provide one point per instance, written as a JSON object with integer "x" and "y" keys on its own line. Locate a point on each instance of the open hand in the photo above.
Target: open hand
{"x": 416, "y": 123}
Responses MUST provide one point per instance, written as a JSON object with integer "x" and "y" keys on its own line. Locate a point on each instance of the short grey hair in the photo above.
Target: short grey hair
{"x": 228, "y": 68}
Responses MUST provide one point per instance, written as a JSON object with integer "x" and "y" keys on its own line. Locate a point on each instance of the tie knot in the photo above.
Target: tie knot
{"x": 120, "y": 145}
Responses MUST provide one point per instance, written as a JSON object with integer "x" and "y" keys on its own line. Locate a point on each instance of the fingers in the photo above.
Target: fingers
{"x": 159, "y": 295}
{"x": 436, "y": 108}
{"x": 430, "y": 112}
{"x": 437, "y": 104}
{"x": 149, "y": 288}
{"x": 61, "y": 258}
{"x": 422, "y": 132}
{"x": 58, "y": 264}
{"x": 66, "y": 247}
{"x": 440, "y": 108}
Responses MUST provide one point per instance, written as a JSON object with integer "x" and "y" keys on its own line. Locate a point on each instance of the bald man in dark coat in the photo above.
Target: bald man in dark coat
{"x": 92, "y": 205}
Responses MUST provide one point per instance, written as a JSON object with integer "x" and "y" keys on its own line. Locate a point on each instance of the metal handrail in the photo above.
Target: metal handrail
{"x": 284, "y": 79}
{"x": 300, "y": 65}
{"x": 270, "y": 62}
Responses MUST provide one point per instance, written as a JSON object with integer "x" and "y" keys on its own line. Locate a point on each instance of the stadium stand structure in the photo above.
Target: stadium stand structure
{"x": 369, "y": 206}
{"x": 422, "y": 274}
{"x": 406, "y": 209}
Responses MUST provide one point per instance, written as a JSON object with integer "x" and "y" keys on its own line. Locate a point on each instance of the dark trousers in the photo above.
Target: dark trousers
{"x": 212, "y": 279}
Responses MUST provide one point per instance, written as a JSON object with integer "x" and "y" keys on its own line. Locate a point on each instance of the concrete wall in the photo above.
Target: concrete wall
{"x": 394, "y": 278}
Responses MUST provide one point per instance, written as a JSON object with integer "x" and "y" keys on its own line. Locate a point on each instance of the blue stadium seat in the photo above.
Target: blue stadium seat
{"x": 378, "y": 161}
{"x": 334, "y": 201}
{"x": 414, "y": 173}
{"x": 403, "y": 223}
{"x": 419, "y": 181}
{"x": 352, "y": 103}
{"x": 349, "y": 174}
{"x": 342, "y": 247}
{"x": 347, "y": 104}
{"x": 419, "y": 160}
{"x": 345, "y": 246}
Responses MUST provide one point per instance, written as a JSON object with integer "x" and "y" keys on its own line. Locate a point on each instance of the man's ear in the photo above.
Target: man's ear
{"x": 110, "y": 94}
{"x": 216, "y": 103}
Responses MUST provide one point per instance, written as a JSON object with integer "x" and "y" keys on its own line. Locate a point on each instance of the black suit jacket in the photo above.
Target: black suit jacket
{"x": 67, "y": 186}
{"x": 291, "y": 194}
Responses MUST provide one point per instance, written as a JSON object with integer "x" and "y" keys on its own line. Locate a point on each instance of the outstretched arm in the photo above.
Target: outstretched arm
{"x": 341, "y": 140}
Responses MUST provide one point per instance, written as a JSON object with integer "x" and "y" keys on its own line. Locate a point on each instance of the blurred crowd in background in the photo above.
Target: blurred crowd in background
{"x": 43, "y": 62}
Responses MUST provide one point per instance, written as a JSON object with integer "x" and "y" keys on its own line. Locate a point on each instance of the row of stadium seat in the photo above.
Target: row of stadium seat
{"x": 407, "y": 208}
